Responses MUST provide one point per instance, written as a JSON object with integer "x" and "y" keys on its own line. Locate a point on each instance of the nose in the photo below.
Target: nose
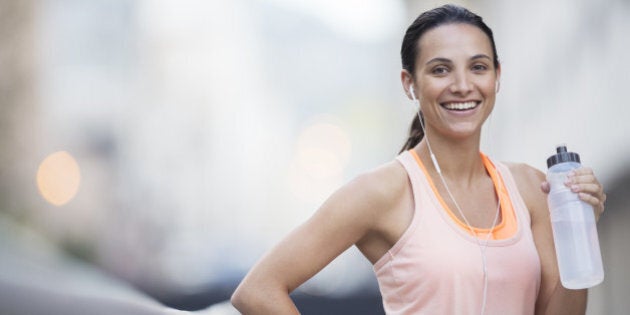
{"x": 461, "y": 84}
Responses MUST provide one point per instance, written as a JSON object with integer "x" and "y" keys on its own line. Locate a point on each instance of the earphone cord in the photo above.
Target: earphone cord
{"x": 482, "y": 249}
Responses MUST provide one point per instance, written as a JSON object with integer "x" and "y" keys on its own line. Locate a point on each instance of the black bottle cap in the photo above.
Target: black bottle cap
{"x": 562, "y": 156}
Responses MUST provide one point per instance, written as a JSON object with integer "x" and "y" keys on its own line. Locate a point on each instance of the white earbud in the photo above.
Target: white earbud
{"x": 413, "y": 96}
{"x": 497, "y": 85}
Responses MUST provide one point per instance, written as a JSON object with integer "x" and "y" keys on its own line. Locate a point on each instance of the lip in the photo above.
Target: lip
{"x": 461, "y": 103}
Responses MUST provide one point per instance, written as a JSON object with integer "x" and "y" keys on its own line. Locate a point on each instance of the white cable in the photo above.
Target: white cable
{"x": 482, "y": 249}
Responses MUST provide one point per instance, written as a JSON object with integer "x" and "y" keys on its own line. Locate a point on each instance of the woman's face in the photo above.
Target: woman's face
{"x": 455, "y": 79}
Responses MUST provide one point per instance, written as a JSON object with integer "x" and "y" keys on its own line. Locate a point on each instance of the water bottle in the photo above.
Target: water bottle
{"x": 573, "y": 224}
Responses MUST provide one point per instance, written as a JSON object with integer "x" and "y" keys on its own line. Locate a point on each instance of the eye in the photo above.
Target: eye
{"x": 479, "y": 67}
{"x": 440, "y": 70}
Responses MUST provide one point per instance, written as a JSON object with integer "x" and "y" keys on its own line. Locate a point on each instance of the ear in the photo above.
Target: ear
{"x": 498, "y": 79}
{"x": 406, "y": 79}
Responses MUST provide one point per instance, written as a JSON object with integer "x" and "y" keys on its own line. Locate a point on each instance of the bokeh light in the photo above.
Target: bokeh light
{"x": 321, "y": 156}
{"x": 323, "y": 149}
{"x": 58, "y": 178}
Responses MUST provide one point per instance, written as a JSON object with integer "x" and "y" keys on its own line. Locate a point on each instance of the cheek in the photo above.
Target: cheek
{"x": 432, "y": 90}
{"x": 488, "y": 87}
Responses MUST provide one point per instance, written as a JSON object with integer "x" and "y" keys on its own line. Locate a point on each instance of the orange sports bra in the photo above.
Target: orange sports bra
{"x": 508, "y": 225}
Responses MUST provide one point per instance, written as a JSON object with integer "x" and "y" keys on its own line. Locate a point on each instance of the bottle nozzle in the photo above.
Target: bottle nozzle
{"x": 562, "y": 156}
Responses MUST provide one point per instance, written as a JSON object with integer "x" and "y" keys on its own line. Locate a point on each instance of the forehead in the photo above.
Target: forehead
{"x": 452, "y": 41}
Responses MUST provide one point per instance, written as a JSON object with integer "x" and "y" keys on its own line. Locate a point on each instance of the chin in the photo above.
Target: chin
{"x": 463, "y": 132}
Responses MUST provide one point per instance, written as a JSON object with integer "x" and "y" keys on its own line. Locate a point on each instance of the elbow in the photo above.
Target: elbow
{"x": 245, "y": 298}
{"x": 239, "y": 299}
{"x": 252, "y": 297}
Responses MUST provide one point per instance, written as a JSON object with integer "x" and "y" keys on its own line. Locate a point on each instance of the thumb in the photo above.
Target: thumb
{"x": 544, "y": 186}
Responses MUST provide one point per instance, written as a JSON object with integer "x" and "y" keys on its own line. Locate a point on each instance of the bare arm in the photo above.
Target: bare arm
{"x": 343, "y": 220}
{"x": 553, "y": 298}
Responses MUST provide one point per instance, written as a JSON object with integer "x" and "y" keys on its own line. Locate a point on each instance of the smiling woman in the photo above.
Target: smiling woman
{"x": 448, "y": 229}
{"x": 455, "y": 77}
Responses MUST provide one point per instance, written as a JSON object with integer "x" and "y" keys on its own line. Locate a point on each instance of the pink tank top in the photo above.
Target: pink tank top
{"x": 436, "y": 266}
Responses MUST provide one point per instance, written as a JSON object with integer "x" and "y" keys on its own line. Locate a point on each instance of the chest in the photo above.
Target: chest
{"x": 476, "y": 203}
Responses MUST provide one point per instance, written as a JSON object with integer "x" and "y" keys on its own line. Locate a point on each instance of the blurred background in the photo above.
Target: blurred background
{"x": 152, "y": 151}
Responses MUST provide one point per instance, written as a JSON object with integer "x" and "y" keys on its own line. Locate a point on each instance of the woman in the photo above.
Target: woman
{"x": 448, "y": 230}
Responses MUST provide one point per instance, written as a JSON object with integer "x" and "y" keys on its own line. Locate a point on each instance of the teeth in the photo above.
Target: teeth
{"x": 460, "y": 106}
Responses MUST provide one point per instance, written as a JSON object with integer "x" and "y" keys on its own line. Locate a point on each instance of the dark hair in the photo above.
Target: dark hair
{"x": 446, "y": 14}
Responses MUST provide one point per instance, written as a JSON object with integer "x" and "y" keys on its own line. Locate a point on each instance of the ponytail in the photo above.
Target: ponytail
{"x": 415, "y": 133}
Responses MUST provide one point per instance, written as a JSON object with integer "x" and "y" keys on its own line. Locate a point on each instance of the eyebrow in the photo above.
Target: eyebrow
{"x": 445, "y": 60}
{"x": 480, "y": 56}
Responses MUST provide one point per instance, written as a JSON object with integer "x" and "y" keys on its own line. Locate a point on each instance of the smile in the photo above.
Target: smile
{"x": 460, "y": 106}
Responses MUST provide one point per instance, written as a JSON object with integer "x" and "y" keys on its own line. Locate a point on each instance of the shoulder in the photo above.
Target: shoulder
{"x": 382, "y": 203}
{"x": 528, "y": 180}
{"x": 525, "y": 173}
{"x": 381, "y": 186}
{"x": 368, "y": 201}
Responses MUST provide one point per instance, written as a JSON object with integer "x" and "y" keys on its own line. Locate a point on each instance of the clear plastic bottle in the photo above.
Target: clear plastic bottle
{"x": 573, "y": 224}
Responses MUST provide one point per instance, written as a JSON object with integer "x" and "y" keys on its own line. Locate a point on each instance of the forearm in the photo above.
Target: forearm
{"x": 564, "y": 301}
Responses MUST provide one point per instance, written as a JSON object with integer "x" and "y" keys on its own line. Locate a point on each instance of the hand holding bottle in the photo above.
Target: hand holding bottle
{"x": 575, "y": 202}
{"x": 583, "y": 182}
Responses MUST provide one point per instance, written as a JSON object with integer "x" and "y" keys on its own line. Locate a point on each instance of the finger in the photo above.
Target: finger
{"x": 585, "y": 183}
{"x": 544, "y": 186}
{"x": 592, "y": 194}
{"x": 592, "y": 200}
{"x": 590, "y": 188}
{"x": 584, "y": 170}
{"x": 596, "y": 203}
{"x": 577, "y": 177}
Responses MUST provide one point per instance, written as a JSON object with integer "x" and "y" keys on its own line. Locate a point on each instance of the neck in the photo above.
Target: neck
{"x": 457, "y": 159}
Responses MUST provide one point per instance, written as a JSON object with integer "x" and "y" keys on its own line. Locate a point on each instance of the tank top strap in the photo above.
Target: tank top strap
{"x": 413, "y": 171}
{"x": 418, "y": 191}
{"x": 520, "y": 208}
